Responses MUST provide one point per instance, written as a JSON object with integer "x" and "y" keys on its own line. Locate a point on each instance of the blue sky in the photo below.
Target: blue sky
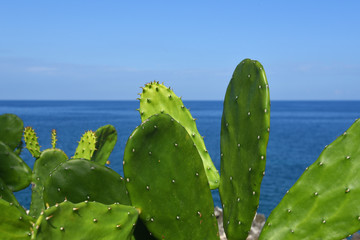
{"x": 106, "y": 50}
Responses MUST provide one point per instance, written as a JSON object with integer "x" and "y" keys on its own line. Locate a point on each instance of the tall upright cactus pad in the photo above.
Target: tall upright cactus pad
{"x": 166, "y": 180}
{"x": 325, "y": 201}
{"x": 106, "y": 137}
{"x": 15, "y": 224}
{"x": 53, "y": 138}
{"x": 86, "y": 220}
{"x": 86, "y": 146}
{"x": 79, "y": 180}
{"x": 245, "y": 128}
{"x": 43, "y": 166}
{"x": 31, "y": 142}
{"x": 11, "y": 128}
{"x": 156, "y": 98}
{"x": 7, "y": 195}
{"x": 13, "y": 170}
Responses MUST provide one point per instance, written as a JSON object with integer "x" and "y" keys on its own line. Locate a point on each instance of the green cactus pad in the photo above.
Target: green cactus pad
{"x": 53, "y": 138}
{"x": 244, "y": 136}
{"x": 325, "y": 201}
{"x": 11, "y": 128}
{"x": 86, "y": 220}
{"x": 106, "y": 138}
{"x": 156, "y": 98}
{"x": 31, "y": 142}
{"x": 44, "y": 165}
{"x": 79, "y": 180}
{"x": 7, "y": 195}
{"x": 86, "y": 146}
{"x": 13, "y": 170}
{"x": 166, "y": 180}
{"x": 15, "y": 225}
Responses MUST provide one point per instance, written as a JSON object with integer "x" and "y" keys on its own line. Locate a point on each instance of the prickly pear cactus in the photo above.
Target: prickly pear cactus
{"x": 86, "y": 146}
{"x": 156, "y": 98}
{"x": 166, "y": 180}
{"x": 13, "y": 170}
{"x": 53, "y": 138}
{"x": 78, "y": 180}
{"x": 325, "y": 202}
{"x": 244, "y": 136}
{"x": 11, "y": 127}
{"x": 106, "y": 138}
{"x": 86, "y": 220}
{"x": 43, "y": 166}
{"x": 15, "y": 224}
{"x": 31, "y": 142}
{"x": 7, "y": 195}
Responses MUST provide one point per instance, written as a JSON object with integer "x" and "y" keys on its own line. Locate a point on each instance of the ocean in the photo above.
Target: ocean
{"x": 299, "y": 132}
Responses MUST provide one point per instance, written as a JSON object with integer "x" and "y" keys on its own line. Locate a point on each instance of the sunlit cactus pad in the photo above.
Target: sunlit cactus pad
{"x": 86, "y": 220}
{"x": 166, "y": 180}
{"x": 325, "y": 202}
{"x": 245, "y": 128}
{"x": 156, "y": 98}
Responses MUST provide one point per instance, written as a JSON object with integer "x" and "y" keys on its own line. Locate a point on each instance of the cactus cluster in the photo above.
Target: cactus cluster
{"x": 168, "y": 176}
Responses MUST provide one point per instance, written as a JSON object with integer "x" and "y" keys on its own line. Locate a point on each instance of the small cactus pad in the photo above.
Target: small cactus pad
{"x": 53, "y": 138}
{"x": 86, "y": 220}
{"x": 43, "y": 166}
{"x": 13, "y": 170}
{"x": 11, "y": 128}
{"x": 79, "y": 180}
{"x": 14, "y": 223}
{"x": 244, "y": 136}
{"x": 166, "y": 180}
{"x": 86, "y": 146}
{"x": 156, "y": 98}
{"x": 31, "y": 142}
{"x": 7, "y": 195}
{"x": 106, "y": 138}
{"x": 325, "y": 201}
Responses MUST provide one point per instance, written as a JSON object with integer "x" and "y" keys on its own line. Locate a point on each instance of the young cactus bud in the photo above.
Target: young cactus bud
{"x": 53, "y": 138}
{"x": 86, "y": 146}
{"x": 31, "y": 142}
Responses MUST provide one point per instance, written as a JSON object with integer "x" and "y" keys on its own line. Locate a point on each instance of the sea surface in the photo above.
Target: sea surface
{"x": 299, "y": 132}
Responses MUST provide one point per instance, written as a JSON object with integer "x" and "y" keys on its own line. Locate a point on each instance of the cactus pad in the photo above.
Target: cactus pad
{"x": 48, "y": 161}
{"x": 325, "y": 201}
{"x": 156, "y": 98}
{"x": 31, "y": 142}
{"x": 79, "y": 180}
{"x": 13, "y": 170}
{"x": 86, "y": 146}
{"x": 244, "y": 136}
{"x": 11, "y": 128}
{"x": 106, "y": 138}
{"x": 14, "y": 223}
{"x": 166, "y": 180}
{"x": 86, "y": 220}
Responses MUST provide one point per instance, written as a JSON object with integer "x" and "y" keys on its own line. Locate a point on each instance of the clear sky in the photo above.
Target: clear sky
{"x": 106, "y": 50}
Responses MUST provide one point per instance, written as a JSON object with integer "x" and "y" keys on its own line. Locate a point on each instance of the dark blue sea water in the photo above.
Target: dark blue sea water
{"x": 299, "y": 132}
